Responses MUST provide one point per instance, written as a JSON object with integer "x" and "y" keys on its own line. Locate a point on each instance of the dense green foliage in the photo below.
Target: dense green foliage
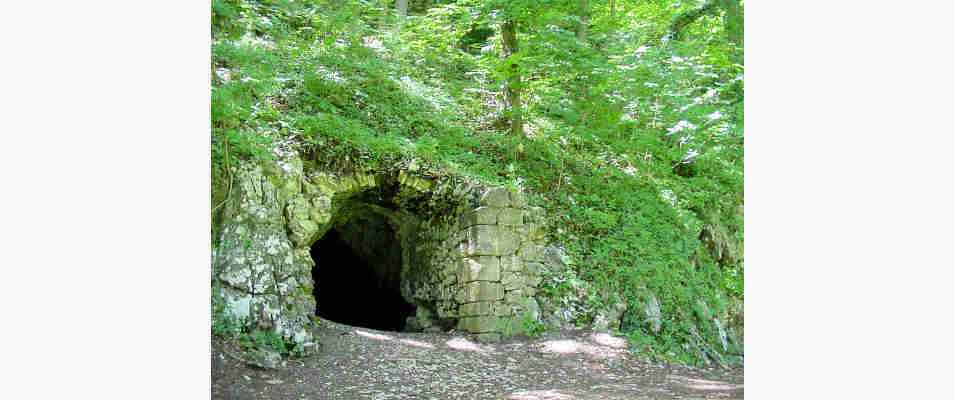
{"x": 633, "y": 144}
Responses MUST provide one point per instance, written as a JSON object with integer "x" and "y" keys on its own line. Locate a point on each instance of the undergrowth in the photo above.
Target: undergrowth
{"x": 225, "y": 327}
{"x": 634, "y": 148}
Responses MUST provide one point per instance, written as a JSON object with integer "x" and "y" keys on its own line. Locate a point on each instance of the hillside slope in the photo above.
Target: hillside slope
{"x": 633, "y": 146}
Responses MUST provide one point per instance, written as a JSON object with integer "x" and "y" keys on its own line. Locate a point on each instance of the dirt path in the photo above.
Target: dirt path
{"x": 359, "y": 363}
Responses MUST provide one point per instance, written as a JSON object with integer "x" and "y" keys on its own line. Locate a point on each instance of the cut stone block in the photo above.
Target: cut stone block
{"x": 480, "y": 291}
{"x": 512, "y": 263}
{"x": 488, "y": 337}
{"x": 514, "y": 297}
{"x": 510, "y": 216}
{"x": 480, "y": 268}
{"x": 498, "y": 197}
{"x": 476, "y": 309}
{"x": 479, "y": 324}
{"x": 481, "y": 216}
{"x": 512, "y": 281}
{"x": 502, "y": 309}
{"x": 490, "y": 240}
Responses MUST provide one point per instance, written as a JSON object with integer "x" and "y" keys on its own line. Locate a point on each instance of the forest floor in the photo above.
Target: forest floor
{"x": 359, "y": 363}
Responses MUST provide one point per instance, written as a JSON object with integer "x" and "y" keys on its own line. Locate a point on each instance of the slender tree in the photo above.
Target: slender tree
{"x": 513, "y": 90}
{"x": 733, "y": 21}
{"x": 583, "y": 11}
{"x": 612, "y": 17}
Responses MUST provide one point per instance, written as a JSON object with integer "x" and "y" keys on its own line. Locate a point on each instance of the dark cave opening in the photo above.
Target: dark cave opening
{"x": 357, "y": 276}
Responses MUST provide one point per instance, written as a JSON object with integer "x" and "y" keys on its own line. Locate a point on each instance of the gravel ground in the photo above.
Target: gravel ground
{"x": 359, "y": 363}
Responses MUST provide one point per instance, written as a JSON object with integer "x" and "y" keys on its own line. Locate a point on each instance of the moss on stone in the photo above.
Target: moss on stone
{"x": 461, "y": 243}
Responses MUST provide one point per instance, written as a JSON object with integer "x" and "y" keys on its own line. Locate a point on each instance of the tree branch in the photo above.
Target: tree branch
{"x": 683, "y": 20}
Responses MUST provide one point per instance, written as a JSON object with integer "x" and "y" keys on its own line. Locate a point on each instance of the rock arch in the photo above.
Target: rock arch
{"x": 471, "y": 255}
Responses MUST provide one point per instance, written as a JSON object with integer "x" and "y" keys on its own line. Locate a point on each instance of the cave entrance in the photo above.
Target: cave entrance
{"x": 357, "y": 274}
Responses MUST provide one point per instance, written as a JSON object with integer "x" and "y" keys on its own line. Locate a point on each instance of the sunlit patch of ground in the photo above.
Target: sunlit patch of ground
{"x": 463, "y": 344}
{"x": 606, "y": 339}
{"x": 383, "y": 337}
{"x": 360, "y": 363}
{"x": 539, "y": 395}
{"x": 703, "y": 384}
{"x": 573, "y": 346}
{"x": 417, "y": 343}
{"x": 376, "y": 336}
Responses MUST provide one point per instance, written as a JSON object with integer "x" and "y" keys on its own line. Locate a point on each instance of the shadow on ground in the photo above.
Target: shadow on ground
{"x": 360, "y": 363}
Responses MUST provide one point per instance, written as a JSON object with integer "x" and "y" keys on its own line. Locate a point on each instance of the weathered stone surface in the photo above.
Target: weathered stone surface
{"x": 497, "y": 197}
{"x": 531, "y": 252}
{"x": 533, "y": 268}
{"x": 512, "y": 281}
{"x": 476, "y": 309}
{"x": 321, "y": 210}
{"x": 504, "y": 309}
{"x": 491, "y": 240}
{"x": 510, "y": 216}
{"x": 555, "y": 257}
{"x": 452, "y": 268}
{"x": 414, "y": 182}
{"x": 423, "y": 319}
{"x": 512, "y": 263}
{"x": 264, "y": 358}
{"x": 481, "y": 241}
{"x": 654, "y": 317}
{"x": 480, "y": 291}
{"x": 609, "y": 318}
{"x": 484, "y": 215}
{"x": 517, "y": 198}
{"x": 513, "y": 296}
{"x": 491, "y": 337}
{"x": 534, "y": 231}
{"x": 531, "y": 309}
{"x": 480, "y": 268}
{"x": 480, "y": 324}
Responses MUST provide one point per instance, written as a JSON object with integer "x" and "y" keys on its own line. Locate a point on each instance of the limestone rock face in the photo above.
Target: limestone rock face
{"x": 609, "y": 318}
{"x": 471, "y": 256}
{"x": 654, "y": 317}
{"x": 555, "y": 265}
{"x": 265, "y": 358}
{"x": 258, "y": 273}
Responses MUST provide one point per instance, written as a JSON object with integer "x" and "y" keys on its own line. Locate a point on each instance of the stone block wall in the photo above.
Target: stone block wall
{"x": 480, "y": 269}
{"x": 497, "y": 271}
{"x": 474, "y": 265}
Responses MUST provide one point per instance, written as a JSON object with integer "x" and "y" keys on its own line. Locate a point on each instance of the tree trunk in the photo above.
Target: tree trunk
{"x": 613, "y": 16}
{"x": 681, "y": 21}
{"x": 513, "y": 91}
{"x": 402, "y": 7}
{"x": 733, "y": 21}
{"x": 584, "y": 13}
